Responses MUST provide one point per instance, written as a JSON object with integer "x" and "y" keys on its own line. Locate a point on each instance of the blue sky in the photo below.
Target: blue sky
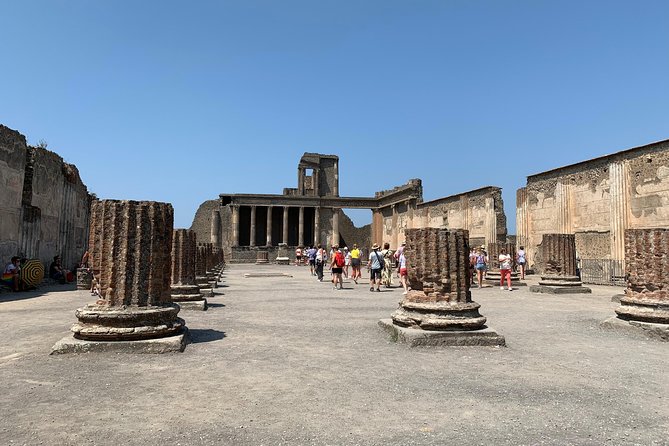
{"x": 180, "y": 101}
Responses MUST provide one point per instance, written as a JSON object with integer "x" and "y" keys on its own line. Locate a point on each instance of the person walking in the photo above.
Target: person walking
{"x": 480, "y": 266}
{"x": 505, "y": 264}
{"x": 311, "y": 254}
{"x": 355, "y": 263}
{"x": 347, "y": 261}
{"x": 298, "y": 256}
{"x": 387, "y": 272}
{"x": 402, "y": 265}
{"x": 521, "y": 260}
{"x": 375, "y": 265}
{"x": 320, "y": 261}
{"x": 337, "y": 266}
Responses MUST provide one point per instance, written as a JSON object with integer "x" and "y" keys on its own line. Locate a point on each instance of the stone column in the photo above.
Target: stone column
{"x": 130, "y": 245}
{"x": 395, "y": 234}
{"x": 269, "y": 226}
{"x": 522, "y": 229}
{"x": 317, "y": 226}
{"x": 300, "y": 181}
{"x": 235, "y": 224}
{"x": 335, "y": 186}
{"x": 285, "y": 225}
{"x": 335, "y": 226}
{"x": 619, "y": 207}
{"x": 563, "y": 208}
{"x": 491, "y": 221}
{"x": 253, "y": 226}
{"x": 317, "y": 189}
{"x": 646, "y": 299}
{"x": 558, "y": 258}
{"x": 438, "y": 310}
{"x": 184, "y": 289}
{"x": 216, "y": 228}
{"x": 300, "y": 230}
{"x": 201, "y": 279}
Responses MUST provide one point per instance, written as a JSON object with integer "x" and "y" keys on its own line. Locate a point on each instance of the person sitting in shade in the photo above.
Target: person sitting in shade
{"x": 10, "y": 275}
{"x": 56, "y": 270}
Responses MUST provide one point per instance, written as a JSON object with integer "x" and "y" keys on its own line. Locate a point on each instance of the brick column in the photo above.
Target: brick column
{"x": 558, "y": 254}
{"x": 285, "y": 225}
{"x": 216, "y": 228}
{"x": 184, "y": 289}
{"x": 300, "y": 229}
{"x": 647, "y": 267}
{"x": 269, "y": 226}
{"x": 439, "y": 299}
{"x": 130, "y": 244}
{"x": 253, "y": 226}
{"x": 235, "y": 224}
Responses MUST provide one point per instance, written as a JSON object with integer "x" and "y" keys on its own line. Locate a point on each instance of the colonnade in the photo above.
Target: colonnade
{"x": 304, "y": 225}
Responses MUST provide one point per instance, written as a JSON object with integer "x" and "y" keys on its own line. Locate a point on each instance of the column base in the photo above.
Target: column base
{"x": 169, "y": 344}
{"x": 651, "y": 330}
{"x": 560, "y": 285}
{"x": 199, "y": 305}
{"x": 427, "y": 338}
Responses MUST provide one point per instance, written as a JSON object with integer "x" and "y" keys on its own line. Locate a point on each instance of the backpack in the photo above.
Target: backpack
{"x": 339, "y": 259}
{"x": 380, "y": 259}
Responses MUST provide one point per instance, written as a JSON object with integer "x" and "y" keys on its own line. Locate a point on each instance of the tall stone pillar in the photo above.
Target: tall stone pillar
{"x": 253, "y": 226}
{"x": 184, "y": 289}
{"x": 563, "y": 208}
{"x": 618, "y": 184}
{"x": 300, "y": 229}
{"x": 317, "y": 225}
{"x": 285, "y": 225}
{"x": 201, "y": 267}
{"x": 235, "y": 224}
{"x": 269, "y": 226}
{"x": 216, "y": 228}
{"x": 438, "y": 310}
{"x": 558, "y": 257}
{"x": 317, "y": 184}
{"x": 130, "y": 244}
{"x": 335, "y": 226}
{"x": 646, "y": 298}
{"x": 395, "y": 234}
{"x": 522, "y": 224}
{"x": 490, "y": 221}
{"x": 300, "y": 181}
{"x": 335, "y": 186}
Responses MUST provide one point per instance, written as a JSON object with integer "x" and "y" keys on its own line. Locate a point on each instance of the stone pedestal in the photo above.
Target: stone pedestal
{"x": 130, "y": 245}
{"x": 184, "y": 290}
{"x": 283, "y": 257}
{"x": 440, "y": 299}
{"x": 84, "y": 278}
{"x": 558, "y": 254}
{"x": 262, "y": 257}
{"x": 645, "y": 304}
{"x": 492, "y": 277}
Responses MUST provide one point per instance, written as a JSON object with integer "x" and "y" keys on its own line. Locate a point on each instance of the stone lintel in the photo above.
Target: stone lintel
{"x": 647, "y": 329}
{"x": 547, "y": 289}
{"x": 423, "y": 338}
{"x": 169, "y": 344}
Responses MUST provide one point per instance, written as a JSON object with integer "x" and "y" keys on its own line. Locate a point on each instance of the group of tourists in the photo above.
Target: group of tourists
{"x": 479, "y": 261}
{"x": 13, "y": 279}
{"x": 344, "y": 264}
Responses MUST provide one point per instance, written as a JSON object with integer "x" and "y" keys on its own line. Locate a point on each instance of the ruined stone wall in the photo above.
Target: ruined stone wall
{"x": 44, "y": 204}
{"x": 597, "y": 200}
{"x": 351, "y": 234}
{"x": 480, "y": 212}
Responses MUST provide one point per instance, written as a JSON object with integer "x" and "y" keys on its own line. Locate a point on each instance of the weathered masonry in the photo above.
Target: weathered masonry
{"x": 44, "y": 206}
{"x": 242, "y": 224}
{"x": 597, "y": 200}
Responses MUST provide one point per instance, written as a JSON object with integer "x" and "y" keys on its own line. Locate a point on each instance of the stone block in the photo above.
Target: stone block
{"x": 169, "y": 344}
{"x": 425, "y": 338}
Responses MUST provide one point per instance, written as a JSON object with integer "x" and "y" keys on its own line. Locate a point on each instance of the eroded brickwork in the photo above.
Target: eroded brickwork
{"x": 183, "y": 257}
{"x": 130, "y": 255}
{"x": 558, "y": 254}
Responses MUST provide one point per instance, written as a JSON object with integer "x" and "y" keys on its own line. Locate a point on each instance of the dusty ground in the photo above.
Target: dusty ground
{"x": 290, "y": 361}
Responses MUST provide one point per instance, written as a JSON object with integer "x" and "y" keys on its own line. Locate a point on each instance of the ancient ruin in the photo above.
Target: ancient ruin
{"x": 184, "y": 290}
{"x": 44, "y": 204}
{"x": 438, "y": 310}
{"x": 560, "y": 275}
{"x": 596, "y": 200}
{"x": 243, "y": 224}
{"x": 130, "y": 246}
{"x": 493, "y": 275}
{"x": 645, "y": 304}
{"x": 204, "y": 281}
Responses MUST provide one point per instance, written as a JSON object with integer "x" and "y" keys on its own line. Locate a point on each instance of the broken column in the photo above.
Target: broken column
{"x": 201, "y": 278}
{"x": 130, "y": 244}
{"x": 558, "y": 253}
{"x": 438, "y": 310}
{"x": 645, "y": 304}
{"x": 184, "y": 290}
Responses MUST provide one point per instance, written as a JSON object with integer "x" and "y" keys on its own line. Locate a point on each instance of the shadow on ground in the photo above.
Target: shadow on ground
{"x": 9, "y": 296}
{"x": 205, "y": 335}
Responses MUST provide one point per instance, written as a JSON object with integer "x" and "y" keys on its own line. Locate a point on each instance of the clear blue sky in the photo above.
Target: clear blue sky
{"x": 180, "y": 101}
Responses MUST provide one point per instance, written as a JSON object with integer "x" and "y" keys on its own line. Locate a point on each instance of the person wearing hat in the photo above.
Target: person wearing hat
{"x": 480, "y": 265}
{"x": 355, "y": 263}
{"x": 375, "y": 266}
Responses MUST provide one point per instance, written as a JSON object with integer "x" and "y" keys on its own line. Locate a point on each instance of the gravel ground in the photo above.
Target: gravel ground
{"x": 288, "y": 360}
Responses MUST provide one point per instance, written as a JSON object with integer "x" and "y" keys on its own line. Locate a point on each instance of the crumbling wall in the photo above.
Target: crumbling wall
{"x": 45, "y": 205}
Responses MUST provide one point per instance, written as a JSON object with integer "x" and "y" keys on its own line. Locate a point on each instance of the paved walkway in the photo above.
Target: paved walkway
{"x": 287, "y": 360}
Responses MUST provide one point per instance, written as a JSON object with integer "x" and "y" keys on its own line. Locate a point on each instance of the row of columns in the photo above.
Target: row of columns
{"x": 300, "y": 236}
